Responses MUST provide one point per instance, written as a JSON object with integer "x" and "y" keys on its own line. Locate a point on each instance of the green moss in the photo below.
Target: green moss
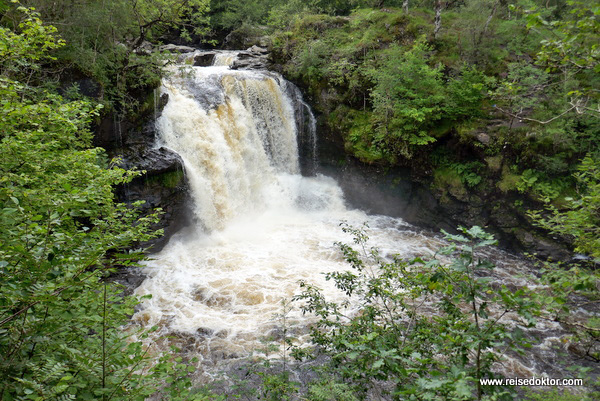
{"x": 448, "y": 181}
{"x": 467, "y": 130}
{"x": 171, "y": 179}
{"x": 494, "y": 163}
{"x": 508, "y": 181}
{"x": 358, "y": 135}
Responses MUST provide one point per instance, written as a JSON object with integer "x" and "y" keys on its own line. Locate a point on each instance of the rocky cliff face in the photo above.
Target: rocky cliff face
{"x": 412, "y": 193}
{"x": 162, "y": 185}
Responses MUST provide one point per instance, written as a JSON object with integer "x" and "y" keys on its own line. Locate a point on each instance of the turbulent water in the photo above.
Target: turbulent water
{"x": 261, "y": 226}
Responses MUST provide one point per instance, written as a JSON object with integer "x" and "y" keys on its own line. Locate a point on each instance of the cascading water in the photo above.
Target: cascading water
{"x": 261, "y": 226}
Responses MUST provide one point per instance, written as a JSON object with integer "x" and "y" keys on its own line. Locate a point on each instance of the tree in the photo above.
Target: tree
{"x": 61, "y": 234}
{"x": 407, "y": 98}
{"x": 570, "y": 50}
{"x": 104, "y": 40}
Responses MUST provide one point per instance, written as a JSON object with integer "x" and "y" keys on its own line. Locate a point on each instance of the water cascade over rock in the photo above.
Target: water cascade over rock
{"x": 261, "y": 225}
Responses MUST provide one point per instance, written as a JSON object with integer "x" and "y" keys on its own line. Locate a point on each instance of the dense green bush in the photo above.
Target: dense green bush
{"x": 61, "y": 234}
{"x": 391, "y": 343}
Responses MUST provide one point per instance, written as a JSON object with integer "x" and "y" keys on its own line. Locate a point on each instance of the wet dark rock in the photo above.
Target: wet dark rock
{"x": 131, "y": 143}
{"x": 205, "y": 332}
{"x": 204, "y": 59}
{"x": 130, "y": 278}
{"x": 504, "y": 218}
{"x": 154, "y": 161}
{"x": 115, "y": 132}
{"x": 72, "y": 79}
{"x": 162, "y": 186}
{"x": 162, "y": 102}
{"x": 544, "y": 248}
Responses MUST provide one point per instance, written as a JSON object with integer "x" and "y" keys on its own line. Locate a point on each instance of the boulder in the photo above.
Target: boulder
{"x": 254, "y": 58}
{"x": 153, "y": 161}
{"x": 204, "y": 59}
{"x": 484, "y": 138}
{"x": 258, "y": 50}
{"x": 176, "y": 49}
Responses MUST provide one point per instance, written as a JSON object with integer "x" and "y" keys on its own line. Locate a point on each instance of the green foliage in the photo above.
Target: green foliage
{"x": 487, "y": 68}
{"x": 61, "y": 235}
{"x": 580, "y": 219}
{"x": 407, "y": 99}
{"x": 466, "y": 93}
{"x": 231, "y": 13}
{"x": 390, "y": 340}
{"x": 469, "y": 173}
{"x": 21, "y": 55}
{"x": 536, "y": 183}
{"x": 374, "y": 60}
{"x": 523, "y": 87}
{"x": 575, "y": 286}
{"x": 228, "y": 14}
{"x": 103, "y": 40}
{"x": 573, "y": 44}
{"x": 331, "y": 391}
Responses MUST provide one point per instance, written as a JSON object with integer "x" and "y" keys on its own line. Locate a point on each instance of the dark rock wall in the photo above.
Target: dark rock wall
{"x": 395, "y": 191}
{"x": 162, "y": 185}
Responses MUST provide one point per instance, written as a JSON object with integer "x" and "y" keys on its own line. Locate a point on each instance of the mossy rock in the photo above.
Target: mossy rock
{"x": 508, "y": 181}
{"x": 448, "y": 181}
{"x": 170, "y": 179}
{"x": 494, "y": 163}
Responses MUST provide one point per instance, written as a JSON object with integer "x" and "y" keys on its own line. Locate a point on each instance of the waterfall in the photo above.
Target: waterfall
{"x": 224, "y": 58}
{"x": 306, "y": 125}
{"x": 236, "y": 134}
{"x": 262, "y": 226}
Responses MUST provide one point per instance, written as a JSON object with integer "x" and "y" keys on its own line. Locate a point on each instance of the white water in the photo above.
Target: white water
{"x": 261, "y": 226}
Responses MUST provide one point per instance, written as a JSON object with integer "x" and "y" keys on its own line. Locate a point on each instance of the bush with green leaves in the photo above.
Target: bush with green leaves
{"x": 574, "y": 286}
{"x": 424, "y": 329}
{"x": 61, "y": 235}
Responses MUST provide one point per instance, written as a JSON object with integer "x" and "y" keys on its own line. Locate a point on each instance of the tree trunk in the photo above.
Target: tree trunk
{"x": 405, "y": 6}
{"x": 438, "y": 18}
{"x": 487, "y": 23}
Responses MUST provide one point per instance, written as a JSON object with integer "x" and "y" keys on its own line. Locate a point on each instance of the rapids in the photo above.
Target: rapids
{"x": 261, "y": 226}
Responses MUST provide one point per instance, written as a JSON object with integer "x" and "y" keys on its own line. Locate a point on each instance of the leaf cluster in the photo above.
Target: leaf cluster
{"x": 422, "y": 329}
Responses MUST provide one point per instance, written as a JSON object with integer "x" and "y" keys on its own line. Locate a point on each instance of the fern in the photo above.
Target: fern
{"x": 331, "y": 391}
